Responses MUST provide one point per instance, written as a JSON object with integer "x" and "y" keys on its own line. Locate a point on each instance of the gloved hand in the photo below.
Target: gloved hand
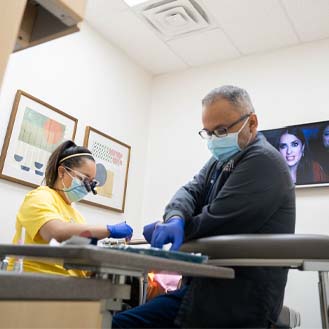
{"x": 121, "y": 230}
{"x": 171, "y": 231}
{"x": 148, "y": 231}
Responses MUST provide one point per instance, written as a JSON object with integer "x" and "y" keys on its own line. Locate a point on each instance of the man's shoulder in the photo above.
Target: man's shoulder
{"x": 261, "y": 147}
{"x": 263, "y": 159}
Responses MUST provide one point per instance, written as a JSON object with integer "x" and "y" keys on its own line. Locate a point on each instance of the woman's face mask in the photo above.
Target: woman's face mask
{"x": 77, "y": 190}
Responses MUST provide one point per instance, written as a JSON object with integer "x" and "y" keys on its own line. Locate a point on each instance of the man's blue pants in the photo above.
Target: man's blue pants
{"x": 160, "y": 312}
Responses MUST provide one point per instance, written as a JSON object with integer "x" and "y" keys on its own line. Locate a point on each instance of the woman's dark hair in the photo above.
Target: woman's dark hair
{"x": 62, "y": 151}
{"x": 293, "y": 130}
{"x": 304, "y": 170}
{"x": 298, "y": 132}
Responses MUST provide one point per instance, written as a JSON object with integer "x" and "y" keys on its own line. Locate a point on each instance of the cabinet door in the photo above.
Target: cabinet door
{"x": 17, "y": 33}
{"x": 11, "y": 13}
{"x": 77, "y": 6}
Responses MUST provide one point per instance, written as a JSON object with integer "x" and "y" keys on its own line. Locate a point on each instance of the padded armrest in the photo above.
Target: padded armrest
{"x": 262, "y": 246}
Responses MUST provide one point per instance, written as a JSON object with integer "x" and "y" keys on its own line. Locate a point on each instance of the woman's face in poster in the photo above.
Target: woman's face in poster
{"x": 291, "y": 148}
{"x": 325, "y": 137}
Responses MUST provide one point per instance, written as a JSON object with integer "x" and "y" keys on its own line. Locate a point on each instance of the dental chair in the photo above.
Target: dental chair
{"x": 294, "y": 251}
{"x": 222, "y": 248}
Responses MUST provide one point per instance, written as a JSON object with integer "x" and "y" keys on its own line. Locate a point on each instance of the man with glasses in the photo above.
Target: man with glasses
{"x": 244, "y": 188}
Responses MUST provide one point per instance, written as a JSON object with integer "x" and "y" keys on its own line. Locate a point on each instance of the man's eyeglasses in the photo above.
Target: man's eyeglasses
{"x": 221, "y": 131}
{"x": 90, "y": 185}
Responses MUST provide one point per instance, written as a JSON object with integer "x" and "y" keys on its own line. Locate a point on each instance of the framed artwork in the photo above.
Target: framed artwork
{"x": 35, "y": 129}
{"x": 112, "y": 163}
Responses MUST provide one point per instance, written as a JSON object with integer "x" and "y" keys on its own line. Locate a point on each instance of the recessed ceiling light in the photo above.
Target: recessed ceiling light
{"x": 132, "y": 3}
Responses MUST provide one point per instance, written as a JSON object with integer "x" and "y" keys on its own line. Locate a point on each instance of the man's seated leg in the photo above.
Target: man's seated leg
{"x": 160, "y": 312}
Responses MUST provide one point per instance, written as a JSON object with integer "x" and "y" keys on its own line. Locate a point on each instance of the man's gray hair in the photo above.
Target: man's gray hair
{"x": 235, "y": 95}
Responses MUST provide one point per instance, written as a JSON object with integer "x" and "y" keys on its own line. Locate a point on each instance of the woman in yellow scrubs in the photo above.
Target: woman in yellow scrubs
{"x": 47, "y": 212}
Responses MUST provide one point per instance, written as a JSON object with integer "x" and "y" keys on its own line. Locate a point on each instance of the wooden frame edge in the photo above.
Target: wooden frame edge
{"x": 10, "y": 127}
{"x": 89, "y": 129}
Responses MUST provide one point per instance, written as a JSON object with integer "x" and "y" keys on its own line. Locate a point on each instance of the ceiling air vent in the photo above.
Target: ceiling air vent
{"x": 172, "y": 18}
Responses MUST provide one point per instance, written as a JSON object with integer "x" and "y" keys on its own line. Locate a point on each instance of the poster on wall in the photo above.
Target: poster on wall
{"x": 35, "y": 129}
{"x": 112, "y": 164}
{"x": 305, "y": 148}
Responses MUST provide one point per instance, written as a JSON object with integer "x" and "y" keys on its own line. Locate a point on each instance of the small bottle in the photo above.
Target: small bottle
{"x": 4, "y": 264}
{"x": 18, "y": 265}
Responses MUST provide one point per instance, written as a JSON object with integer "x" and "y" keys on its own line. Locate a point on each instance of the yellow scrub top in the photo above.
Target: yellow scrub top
{"x": 40, "y": 206}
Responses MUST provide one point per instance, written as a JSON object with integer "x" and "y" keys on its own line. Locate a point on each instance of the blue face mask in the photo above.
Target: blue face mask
{"x": 223, "y": 148}
{"x": 76, "y": 191}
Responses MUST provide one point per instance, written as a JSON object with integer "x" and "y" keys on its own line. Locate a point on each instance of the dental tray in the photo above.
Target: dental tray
{"x": 175, "y": 255}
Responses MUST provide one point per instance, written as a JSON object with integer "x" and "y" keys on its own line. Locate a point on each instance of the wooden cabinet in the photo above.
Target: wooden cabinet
{"x": 26, "y": 23}
{"x": 45, "y": 20}
{"x": 51, "y": 314}
{"x": 11, "y": 13}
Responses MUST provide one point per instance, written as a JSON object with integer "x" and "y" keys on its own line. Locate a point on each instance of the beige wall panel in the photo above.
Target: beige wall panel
{"x": 11, "y": 13}
{"x": 50, "y": 314}
{"x": 78, "y": 6}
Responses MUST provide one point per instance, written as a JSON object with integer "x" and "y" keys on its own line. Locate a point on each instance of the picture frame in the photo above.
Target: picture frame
{"x": 305, "y": 149}
{"x": 112, "y": 162}
{"x": 34, "y": 130}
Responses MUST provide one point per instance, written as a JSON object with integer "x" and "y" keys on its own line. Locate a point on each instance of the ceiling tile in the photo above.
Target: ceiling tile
{"x": 253, "y": 25}
{"x": 310, "y": 18}
{"x": 126, "y": 31}
{"x": 238, "y": 27}
{"x": 96, "y": 8}
{"x": 204, "y": 47}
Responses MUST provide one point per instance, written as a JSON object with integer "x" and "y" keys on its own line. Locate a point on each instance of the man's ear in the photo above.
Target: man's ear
{"x": 253, "y": 122}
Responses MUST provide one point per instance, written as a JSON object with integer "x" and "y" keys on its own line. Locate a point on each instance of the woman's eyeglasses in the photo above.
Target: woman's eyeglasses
{"x": 90, "y": 185}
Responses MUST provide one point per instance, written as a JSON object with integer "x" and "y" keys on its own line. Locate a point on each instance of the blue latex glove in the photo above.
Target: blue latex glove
{"x": 121, "y": 230}
{"x": 148, "y": 231}
{"x": 170, "y": 232}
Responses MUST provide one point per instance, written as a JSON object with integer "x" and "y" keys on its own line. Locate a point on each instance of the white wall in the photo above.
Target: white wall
{"x": 83, "y": 75}
{"x": 288, "y": 86}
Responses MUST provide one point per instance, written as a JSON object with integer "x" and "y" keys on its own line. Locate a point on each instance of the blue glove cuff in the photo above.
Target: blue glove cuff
{"x": 176, "y": 219}
{"x": 121, "y": 230}
{"x": 148, "y": 231}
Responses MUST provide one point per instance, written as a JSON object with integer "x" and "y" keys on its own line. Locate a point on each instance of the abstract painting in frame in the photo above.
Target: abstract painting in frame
{"x": 35, "y": 129}
{"x": 112, "y": 164}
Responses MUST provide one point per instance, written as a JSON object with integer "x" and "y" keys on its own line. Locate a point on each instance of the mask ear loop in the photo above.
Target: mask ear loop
{"x": 64, "y": 187}
{"x": 244, "y": 124}
{"x": 63, "y": 177}
{"x": 249, "y": 139}
{"x": 250, "y": 132}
